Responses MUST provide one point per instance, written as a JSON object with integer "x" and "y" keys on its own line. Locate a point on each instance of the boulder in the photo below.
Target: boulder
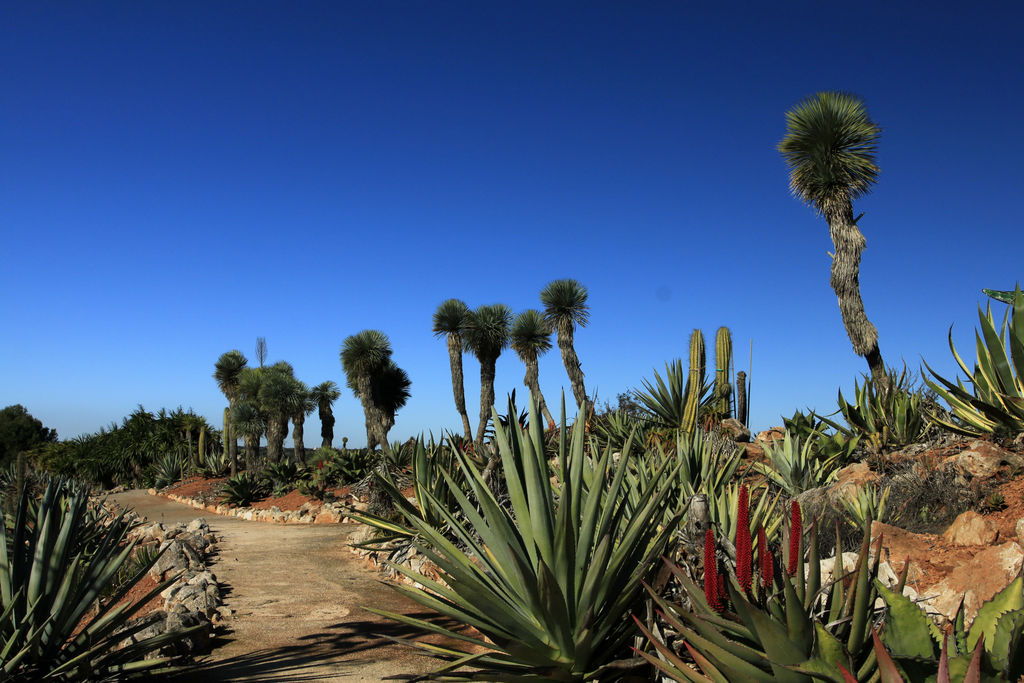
{"x": 982, "y": 460}
{"x": 771, "y": 435}
{"x": 977, "y": 581}
{"x": 1019, "y": 529}
{"x": 970, "y": 528}
{"x": 736, "y": 430}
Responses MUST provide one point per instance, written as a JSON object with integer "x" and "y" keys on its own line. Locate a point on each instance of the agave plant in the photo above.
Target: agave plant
{"x": 167, "y": 469}
{"x": 995, "y": 404}
{"x": 50, "y": 586}
{"x": 865, "y": 503}
{"x": 242, "y": 489}
{"x": 795, "y": 467}
{"x": 889, "y": 415}
{"x": 280, "y": 477}
{"x": 548, "y": 581}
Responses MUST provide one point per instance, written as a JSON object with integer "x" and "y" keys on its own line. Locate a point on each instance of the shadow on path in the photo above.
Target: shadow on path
{"x": 334, "y": 647}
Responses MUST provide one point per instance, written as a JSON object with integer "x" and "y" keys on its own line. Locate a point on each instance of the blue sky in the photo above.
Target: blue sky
{"x": 180, "y": 178}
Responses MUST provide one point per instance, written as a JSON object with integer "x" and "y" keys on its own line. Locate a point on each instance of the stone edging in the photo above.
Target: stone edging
{"x": 309, "y": 513}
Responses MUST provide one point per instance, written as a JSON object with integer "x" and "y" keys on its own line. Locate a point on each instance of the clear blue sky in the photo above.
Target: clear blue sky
{"x": 178, "y": 178}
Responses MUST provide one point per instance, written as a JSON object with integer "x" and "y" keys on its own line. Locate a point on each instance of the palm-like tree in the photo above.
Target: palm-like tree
{"x": 302, "y": 405}
{"x": 830, "y": 147}
{"x": 247, "y": 422}
{"x": 226, "y": 372}
{"x": 486, "y": 335}
{"x": 325, "y": 394}
{"x": 565, "y": 307}
{"x": 391, "y": 390}
{"x": 449, "y": 321}
{"x": 279, "y": 395}
{"x": 249, "y": 382}
{"x": 531, "y": 338}
{"x": 363, "y": 357}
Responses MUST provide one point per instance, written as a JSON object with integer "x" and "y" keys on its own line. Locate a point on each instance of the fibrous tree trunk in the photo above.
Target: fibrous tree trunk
{"x": 572, "y": 363}
{"x": 230, "y": 442}
{"x": 455, "y": 359}
{"x": 298, "y": 447}
{"x": 849, "y": 242}
{"x": 532, "y": 382}
{"x": 252, "y": 447}
{"x": 276, "y": 431}
{"x": 486, "y": 395}
{"x": 327, "y": 427}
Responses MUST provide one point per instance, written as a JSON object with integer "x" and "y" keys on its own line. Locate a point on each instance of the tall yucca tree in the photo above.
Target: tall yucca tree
{"x": 530, "y": 339}
{"x": 279, "y": 396}
{"x": 565, "y": 308}
{"x": 391, "y": 391}
{"x": 449, "y": 322}
{"x": 324, "y": 395}
{"x": 302, "y": 406}
{"x": 487, "y": 335}
{"x": 364, "y": 356}
{"x": 830, "y": 147}
{"x": 247, "y": 421}
{"x": 226, "y": 372}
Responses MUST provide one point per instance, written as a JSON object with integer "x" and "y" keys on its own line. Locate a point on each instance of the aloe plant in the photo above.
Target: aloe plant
{"x": 993, "y": 645}
{"x": 50, "y": 585}
{"x": 784, "y": 627}
{"x": 550, "y": 580}
{"x": 168, "y": 469}
{"x": 995, "y": 403}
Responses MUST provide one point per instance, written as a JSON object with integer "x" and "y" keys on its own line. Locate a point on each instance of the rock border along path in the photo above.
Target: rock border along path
{"x": 295, "y": 591}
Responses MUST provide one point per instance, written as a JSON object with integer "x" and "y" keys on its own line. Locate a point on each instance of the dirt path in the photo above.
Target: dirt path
{"x": 296, "y": 591}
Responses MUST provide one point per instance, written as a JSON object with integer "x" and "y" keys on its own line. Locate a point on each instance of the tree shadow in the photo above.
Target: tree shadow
{"x": 346, "y": 647}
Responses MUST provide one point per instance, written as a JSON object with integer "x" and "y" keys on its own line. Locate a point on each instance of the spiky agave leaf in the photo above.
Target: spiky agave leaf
{"x": 550, "y": 581}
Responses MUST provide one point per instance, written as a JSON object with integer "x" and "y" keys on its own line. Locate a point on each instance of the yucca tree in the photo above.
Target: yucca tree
{"x": 391, "y": 391}
{"x": 565, "y": 308}
{"x": 248, "y": 423}
{"x": 830, "y": 147}
{"x": 226, "y": 372}
{"x": 280, "y": 394}
{"x": 364, "y": 356}
{"x": 449, "y": 322}
{"x": 486, "y": 335}
{"x": 530, "y": 339}
{"x": 324, "y": 395}
{"x": 302, "y": 405}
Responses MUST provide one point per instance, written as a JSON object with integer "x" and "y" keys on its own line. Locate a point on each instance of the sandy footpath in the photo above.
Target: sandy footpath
{"x": 296, "y": 591}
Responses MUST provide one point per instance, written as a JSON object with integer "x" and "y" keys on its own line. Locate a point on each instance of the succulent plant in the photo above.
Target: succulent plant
{"x": 53, "y": 574}
{"x": 549, "y": 580}
{"x": 996, "y": 402}
{"x": 795, "y": 467}
{"x": 723, "y": 368}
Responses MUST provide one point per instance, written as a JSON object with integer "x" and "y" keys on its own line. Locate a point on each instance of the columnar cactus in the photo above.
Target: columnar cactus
{"x": 698, "y": 370}
{"x": 723, "y": 365}
{"x": 202, "y": 444}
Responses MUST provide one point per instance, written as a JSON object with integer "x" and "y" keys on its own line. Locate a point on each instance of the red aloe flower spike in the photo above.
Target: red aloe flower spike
{"x": 711, "y": 588}
{"x": 796, "y": 530}
{"x": 765, "y": 565}
{"x": 744, "y": 550}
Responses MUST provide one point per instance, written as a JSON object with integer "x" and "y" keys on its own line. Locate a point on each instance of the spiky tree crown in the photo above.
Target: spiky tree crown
{"x": 830, "y": 148}
{"x": 487, "y": 330}
{"x": 364, "y": 353}
{"x": 226, "y": 371}
{"x": 450, "y": 317}
{"x": 531, "y": 335}
{"x": 565, "y": 304}
{"x": 246, "y": 418}
{"x": 325, "y": 393}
